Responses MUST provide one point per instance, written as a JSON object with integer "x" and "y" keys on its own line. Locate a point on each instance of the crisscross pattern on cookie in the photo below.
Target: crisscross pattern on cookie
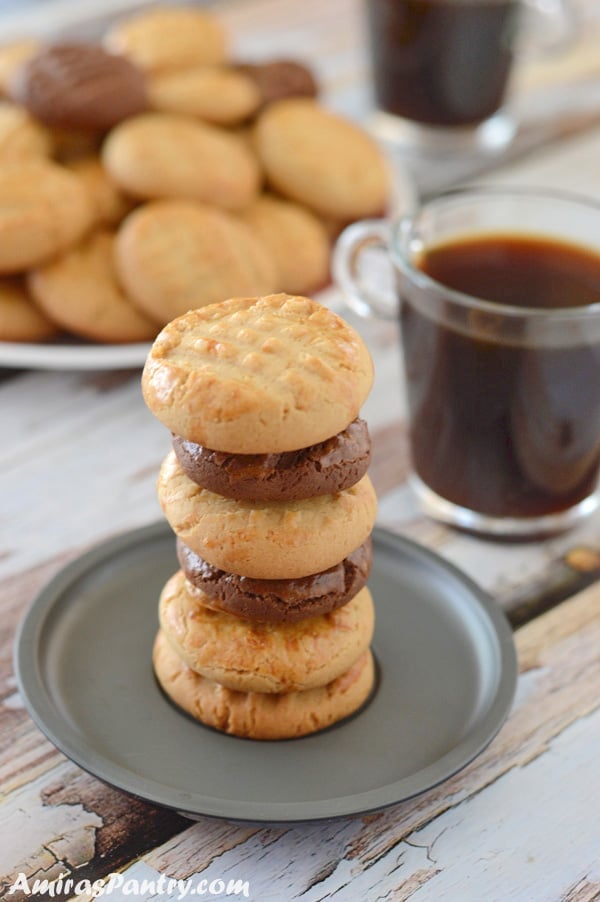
{"x": 174, "y": 256}
{"x": 258, "y": 375}
{"x": 157, "y": 155}
{"x": 317, "y": 158}
{"x": 44, "y": 209}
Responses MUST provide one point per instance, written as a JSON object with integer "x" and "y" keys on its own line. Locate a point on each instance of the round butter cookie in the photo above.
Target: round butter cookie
{"x": 258, "y": 375}
{"x": 109, "y": 203}
{"x": 297, "y": 240}
{"x": 262, "y": 539}
{"x": 264, "y": 657}
{"x": 317, "y": 158}
{"x": 79, "y": 290}
{"x": 330, "y": 466}
{"x": 21, "y": 137}
{"x": 163, "y": 155}
{"x": 44, "y": 209}
{"x": 276, "y": 599}
{"x": 169, "y": 38}
{"x": 20, "y": 318}
{"x": 261, "y": 715}
{"x": 173, "y": 256}
{"x": 218, "y": 95}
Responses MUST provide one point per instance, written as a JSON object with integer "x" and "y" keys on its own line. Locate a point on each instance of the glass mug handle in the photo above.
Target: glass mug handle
{"x": 363, "y": 299}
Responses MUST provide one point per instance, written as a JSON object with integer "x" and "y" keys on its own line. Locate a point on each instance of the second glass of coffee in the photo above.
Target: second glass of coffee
{"x": 441, "y": 71}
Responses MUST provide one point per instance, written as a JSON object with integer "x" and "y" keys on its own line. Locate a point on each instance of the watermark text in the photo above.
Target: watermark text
{"x": 159, "y": 886}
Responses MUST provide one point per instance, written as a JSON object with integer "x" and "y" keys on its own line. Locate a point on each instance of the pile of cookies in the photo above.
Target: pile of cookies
{"x": 265, "y": 630}
{"x": 150, "y": 174}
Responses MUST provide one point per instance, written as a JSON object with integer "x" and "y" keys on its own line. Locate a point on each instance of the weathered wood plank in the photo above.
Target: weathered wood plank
{"x": 583, "y": 891}
{"x": 81, "y": 464}
{"x": 55, "y": 818}
{"x": 92, "y": 829}
{"x": 65, "y": 822}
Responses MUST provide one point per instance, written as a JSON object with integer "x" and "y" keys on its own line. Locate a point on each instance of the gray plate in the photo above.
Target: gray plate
{"x": 447, "y": 675}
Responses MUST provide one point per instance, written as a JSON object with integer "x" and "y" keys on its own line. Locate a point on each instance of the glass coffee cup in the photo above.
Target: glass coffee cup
{"x": 441, "y": 68}
{"x": 498, "y": 299}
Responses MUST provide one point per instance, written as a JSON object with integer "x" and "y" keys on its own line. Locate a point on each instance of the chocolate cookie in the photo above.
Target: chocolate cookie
{"x": 277, "y": 599}
{"x": 279, "y": 79}
{"x": 322, "y": 469}
{"x": 79, "y": 86}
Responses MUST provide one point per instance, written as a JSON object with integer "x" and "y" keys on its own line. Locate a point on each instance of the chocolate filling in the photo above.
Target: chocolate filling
{"x": 323, "y": 469}
{"x": 277, "y": 599}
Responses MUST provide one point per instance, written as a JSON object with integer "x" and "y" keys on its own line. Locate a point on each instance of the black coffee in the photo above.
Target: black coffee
{"x": 442, "y": 62}
{"x": 504, "y": 427}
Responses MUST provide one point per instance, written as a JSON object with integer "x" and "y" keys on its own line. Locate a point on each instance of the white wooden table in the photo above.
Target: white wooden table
{"x": 79, "y": 458}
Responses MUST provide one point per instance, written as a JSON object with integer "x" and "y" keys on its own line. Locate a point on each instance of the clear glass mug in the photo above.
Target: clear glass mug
{"x": 441, "y": 69}
{"x": 503, "y": 400}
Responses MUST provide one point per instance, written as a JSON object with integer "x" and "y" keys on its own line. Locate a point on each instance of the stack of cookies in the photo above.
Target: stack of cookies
{"x": 265, "y": 630}
{"x": 152, "y": 173}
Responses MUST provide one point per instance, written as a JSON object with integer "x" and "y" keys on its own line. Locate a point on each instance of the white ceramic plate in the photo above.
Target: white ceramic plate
{"x": 70, "y": 354}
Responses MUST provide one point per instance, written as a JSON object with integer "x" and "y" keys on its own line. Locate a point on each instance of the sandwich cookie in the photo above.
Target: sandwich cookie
{"x": 266, "y": 539}
{"x": 264, "y": 657}
{"x": 276, "y": 600}
{"x": 323, "y": 469}
{"x": 256, "y": 715}
{"x": 258, "y": 375}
